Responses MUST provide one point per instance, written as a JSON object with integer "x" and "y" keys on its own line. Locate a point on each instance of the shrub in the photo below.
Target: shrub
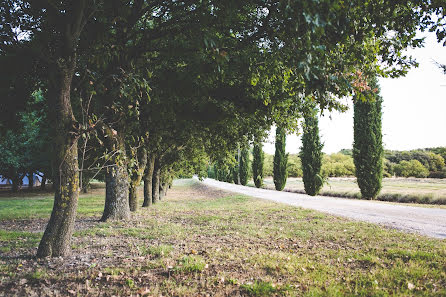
{"x": 337, "y": 165}
{"x": 412, "y": 168}
{"x": 294, "y": 166}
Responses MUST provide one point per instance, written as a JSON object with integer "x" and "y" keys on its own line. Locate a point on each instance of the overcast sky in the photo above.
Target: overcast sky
{"x": 414, "y": 109}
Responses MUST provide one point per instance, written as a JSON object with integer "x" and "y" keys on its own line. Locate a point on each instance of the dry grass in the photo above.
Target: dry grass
{"x": 404, "y": 190}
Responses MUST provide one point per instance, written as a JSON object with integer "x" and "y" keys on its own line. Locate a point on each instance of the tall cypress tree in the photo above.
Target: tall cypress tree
{"x": 280, "y": 160}
{"x": 257, "y": 164}
{"x": 236, "y": 168}
{"x": 311, "y": 155}
{"x": 367, "y": 147}
{"x": 244, "y": 166}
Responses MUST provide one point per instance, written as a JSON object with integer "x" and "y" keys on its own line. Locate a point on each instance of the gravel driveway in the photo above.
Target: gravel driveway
{"x": 426, "y": 221}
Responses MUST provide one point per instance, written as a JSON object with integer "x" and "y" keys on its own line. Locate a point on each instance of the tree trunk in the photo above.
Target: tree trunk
{"x": 162, "y": 191}
{"x": 15, "y": 184}
{"x": 30, "y": 180}
{"x": 156, "y": 182}
{"x": 116, "y": 180}
{"x": 43, "y": 183}
{"x": 116, "y": 194}
{"x": 136, "y": 177}
{"x": 133, "y": 198}
{"x": 148, "y": 181}
{"x": 57, "y": 237}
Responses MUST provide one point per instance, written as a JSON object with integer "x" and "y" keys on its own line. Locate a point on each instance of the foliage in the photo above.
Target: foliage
{"x": 410, "y": 168}
{"x": 337, "y": 165}
{"x": 244, "y": 166}
{"x": 26, "y": 148}
{"x": 280, "y": 160}
{"x": 294, "y": 166}
{"x": 311, "y": 155}
{"x": 367, "y": 147}
{"x": 430, "y": 158}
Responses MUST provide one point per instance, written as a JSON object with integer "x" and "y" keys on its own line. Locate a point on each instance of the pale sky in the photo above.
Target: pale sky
{"x": 414, "y": 109}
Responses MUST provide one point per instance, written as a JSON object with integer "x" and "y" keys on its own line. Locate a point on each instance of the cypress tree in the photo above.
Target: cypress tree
{"x": 236, "y": 168}
{"x": 257, "y": 164}
{"x": 311, "y": 155}
{"x": 367, "y": 147}
{"x": 244, "y": 166}
{"x": 280, "y": 160}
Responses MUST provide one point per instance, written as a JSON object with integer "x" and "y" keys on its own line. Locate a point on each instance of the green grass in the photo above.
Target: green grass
{"x": 29, "y": 208}
{"x": 191, "y": 263}
{"x": 260, "y": 288}
{"x": 206, "y": 242}
{"x": 18, "y": 239}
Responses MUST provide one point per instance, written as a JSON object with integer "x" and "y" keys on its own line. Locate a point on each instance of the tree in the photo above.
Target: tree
{"x": 311, "y": 155}
{"x": 257, "y": 164}
{"x": 245, "y": 55}
{"x": 280, "y": 160}
{"x": 367, "y": 147}
{"x": 244, "y": 166}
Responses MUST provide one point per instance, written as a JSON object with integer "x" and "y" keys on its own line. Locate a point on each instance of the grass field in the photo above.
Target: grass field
{"x": 205, "y": 242}
{"x": 409, "y": 190}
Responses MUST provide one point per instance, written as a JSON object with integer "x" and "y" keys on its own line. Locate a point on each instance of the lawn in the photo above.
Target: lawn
{"x": 204, "y": 242}
{"x": 413, "y": 190}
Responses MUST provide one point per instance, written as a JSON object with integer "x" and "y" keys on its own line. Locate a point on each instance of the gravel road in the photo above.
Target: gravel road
{"x": 427, "y": 221}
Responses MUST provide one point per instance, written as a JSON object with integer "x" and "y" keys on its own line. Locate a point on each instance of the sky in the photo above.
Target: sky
{"x": 414, "y": 109}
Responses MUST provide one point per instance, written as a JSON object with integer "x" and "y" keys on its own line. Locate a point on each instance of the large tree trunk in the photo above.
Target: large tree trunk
{"x": 116, "y": 194}
{"x": 56, "y": 239}
{"x": 136, "y": 177}
{"x": 57, "y": 236}
{"x": 116, "y": 180}
{"x": 156, "y": 182}
{"x": 148, "y": 181}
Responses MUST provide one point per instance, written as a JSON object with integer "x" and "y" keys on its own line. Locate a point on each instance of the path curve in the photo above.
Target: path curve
{"x": 426, "y": 221}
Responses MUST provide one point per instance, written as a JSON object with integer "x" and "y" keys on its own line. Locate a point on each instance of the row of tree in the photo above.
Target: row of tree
{"x": 367, "y": 154}
{"x": 143, "y": 90}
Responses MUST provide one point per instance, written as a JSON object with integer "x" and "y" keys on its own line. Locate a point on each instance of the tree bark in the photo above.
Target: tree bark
{"x": 135, "y": 179}
{"x": 163, "y": 190}
{"x": 15, "y": 184}
{"x": 148, "y": 181}
{"x": 57, "y": 237}
{"x": 116, "y": 194}
{"x": 30, "y": 180}
{"x": 116, "y": 180}
{"x": 156, "y": 182}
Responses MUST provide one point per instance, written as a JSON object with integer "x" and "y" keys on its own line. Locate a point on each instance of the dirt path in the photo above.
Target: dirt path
{"x": 426, "y": 221}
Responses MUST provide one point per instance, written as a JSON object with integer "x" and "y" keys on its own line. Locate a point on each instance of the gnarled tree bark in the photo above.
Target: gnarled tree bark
{"x": 116, "y": 180}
